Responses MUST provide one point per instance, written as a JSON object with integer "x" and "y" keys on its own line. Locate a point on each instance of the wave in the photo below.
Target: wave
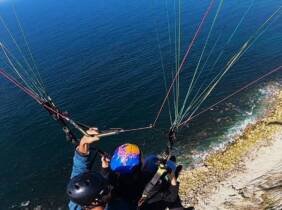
{"x": 258, "y": 101}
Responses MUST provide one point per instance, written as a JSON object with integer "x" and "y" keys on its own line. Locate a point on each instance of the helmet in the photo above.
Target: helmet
{"x": 126, "y": 157}
{"x": 88, "y": 188}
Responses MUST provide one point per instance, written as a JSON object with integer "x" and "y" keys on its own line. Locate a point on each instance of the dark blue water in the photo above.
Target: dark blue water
{"x": 100, "y": 60}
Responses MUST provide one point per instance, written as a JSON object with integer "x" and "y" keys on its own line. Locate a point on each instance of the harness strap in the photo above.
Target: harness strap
{"x": 162, "y": 169}
{"x": 148, "y": 191}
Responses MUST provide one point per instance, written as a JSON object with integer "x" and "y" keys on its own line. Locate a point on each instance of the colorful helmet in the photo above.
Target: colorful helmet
{"x": 126, "y": 157}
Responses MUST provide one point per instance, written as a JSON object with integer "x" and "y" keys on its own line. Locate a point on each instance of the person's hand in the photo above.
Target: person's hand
{"x": 105, "y": 161}
{"x": 173, "y": 179}
{"x": 93, "y": 136}
{"x": 83, "y": 147}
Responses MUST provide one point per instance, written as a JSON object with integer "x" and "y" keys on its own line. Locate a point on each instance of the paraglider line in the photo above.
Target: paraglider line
{"x": 59, "y": 114}
{"x": 184, "y": 59}
{"x": 229, "y": 96}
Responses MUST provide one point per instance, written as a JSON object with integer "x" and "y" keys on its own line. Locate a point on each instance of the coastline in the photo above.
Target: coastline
{"x": 232, "y": 178}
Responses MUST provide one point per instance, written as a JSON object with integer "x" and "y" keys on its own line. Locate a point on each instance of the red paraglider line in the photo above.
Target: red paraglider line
{"x": 59, "y": 114}
{"x": 232, "y": 94}
{"x": 31, "y": 94}
{"x": 184, "y": 60}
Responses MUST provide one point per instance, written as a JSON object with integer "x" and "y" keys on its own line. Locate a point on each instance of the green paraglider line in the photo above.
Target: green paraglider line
{"x": 196, "y": 35}
{"x": 45, "y": 104}
{"x": 231, "y": 95}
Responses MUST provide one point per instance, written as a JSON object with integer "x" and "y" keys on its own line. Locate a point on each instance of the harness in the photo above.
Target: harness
{"x": 162, "y": 169}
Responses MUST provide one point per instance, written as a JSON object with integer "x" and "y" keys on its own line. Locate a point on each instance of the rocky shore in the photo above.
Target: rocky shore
{"x": 246, "y": 174}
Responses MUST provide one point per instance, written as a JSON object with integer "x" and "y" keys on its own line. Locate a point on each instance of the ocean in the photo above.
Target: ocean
{"x": 102, "y": 62}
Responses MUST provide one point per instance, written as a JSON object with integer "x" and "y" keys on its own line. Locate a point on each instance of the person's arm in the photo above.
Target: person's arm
{"x": 171, "y": 195}
{"x": 81, "y": 162}
{"x": 166, "y": 190}
{"x": 83, "y": 147}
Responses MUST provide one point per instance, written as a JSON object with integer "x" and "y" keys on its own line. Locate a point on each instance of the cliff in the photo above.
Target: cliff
{"x": 246, "y": 174}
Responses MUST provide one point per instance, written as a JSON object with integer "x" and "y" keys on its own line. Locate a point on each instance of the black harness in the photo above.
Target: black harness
{"x": 162, "y": 169}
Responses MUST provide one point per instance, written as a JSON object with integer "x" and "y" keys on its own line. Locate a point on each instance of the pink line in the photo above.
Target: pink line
{"x": 229, "y": 96}
{"x": 184, "y": 59}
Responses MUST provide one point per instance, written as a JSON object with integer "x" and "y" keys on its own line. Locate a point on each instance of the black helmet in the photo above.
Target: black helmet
{"x": 88, "y": 189}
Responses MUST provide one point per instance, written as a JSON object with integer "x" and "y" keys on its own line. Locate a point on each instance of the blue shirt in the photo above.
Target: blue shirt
{"x": 82, "y": 164}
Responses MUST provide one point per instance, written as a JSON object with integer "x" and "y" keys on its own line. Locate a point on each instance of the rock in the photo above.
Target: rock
{"x": 263, "y": 192}
{"x": 25, "y": 203}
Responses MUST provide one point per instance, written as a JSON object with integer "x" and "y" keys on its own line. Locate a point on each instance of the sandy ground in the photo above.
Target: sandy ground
{"x": 260, "y": 165}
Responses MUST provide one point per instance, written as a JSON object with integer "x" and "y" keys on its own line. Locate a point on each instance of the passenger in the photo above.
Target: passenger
{"x": 129, "y": 174}
{"x": 125, "y": 175}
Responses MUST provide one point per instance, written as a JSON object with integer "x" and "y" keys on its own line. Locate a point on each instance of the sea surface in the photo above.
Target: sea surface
{"x": 102, "y": 62}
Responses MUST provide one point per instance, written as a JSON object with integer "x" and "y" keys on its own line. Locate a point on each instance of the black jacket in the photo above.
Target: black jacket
{"x": 130, "y": 188}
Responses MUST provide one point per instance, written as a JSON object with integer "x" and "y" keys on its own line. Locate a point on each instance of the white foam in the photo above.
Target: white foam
{"x": 263, "y": 96}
